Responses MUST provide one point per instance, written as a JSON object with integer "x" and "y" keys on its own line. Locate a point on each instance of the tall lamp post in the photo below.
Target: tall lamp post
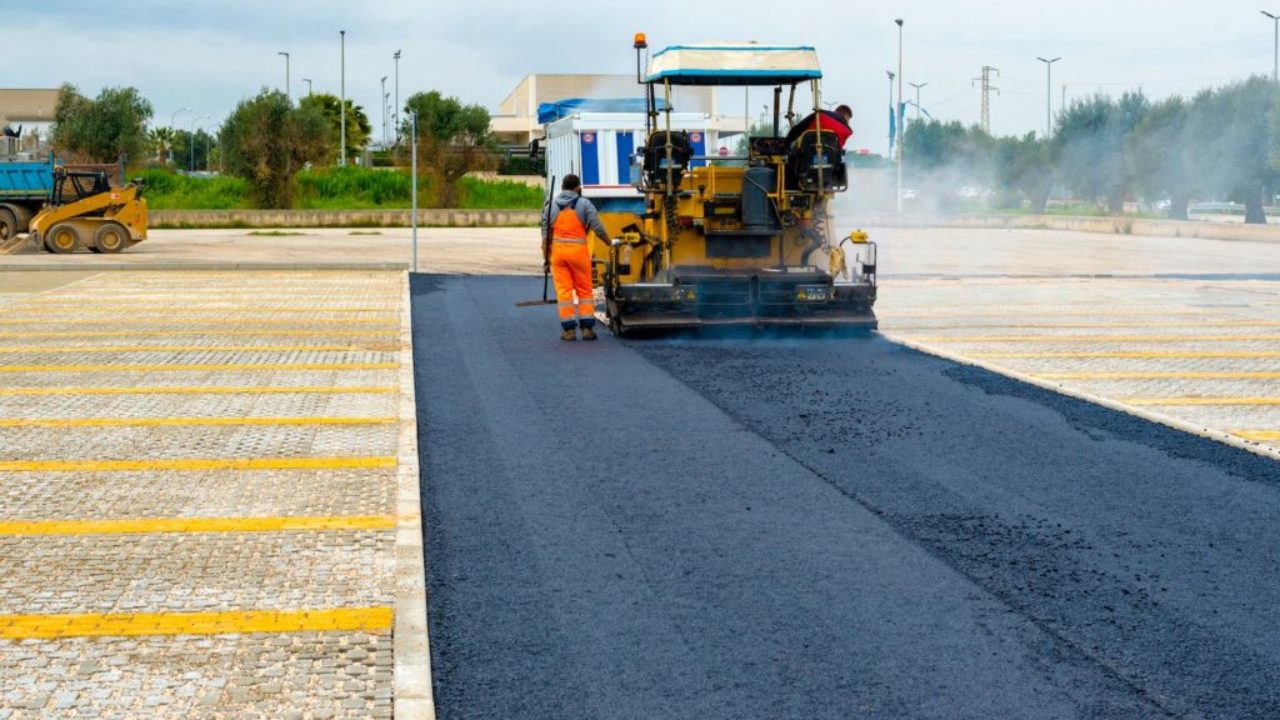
{"x": 395, "y": 112}
{"x": 898, "y": 114}
{"x": 191, "y": 140}
{"x": 917, "y": 86}
{"x": 342, "y": 102}
{"x": 1275, "y": 69}
{"x": 1048, "y": 95}
{"x": 287, "y": 90}
{"x": 308, "y": 82}
{"x": 383, "y": 95}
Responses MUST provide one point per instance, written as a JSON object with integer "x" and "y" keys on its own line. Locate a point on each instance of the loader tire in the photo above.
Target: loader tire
{"x": 62, "y": 238}
{"x": 110, "y": 237}
{"x": 8, "y": 225}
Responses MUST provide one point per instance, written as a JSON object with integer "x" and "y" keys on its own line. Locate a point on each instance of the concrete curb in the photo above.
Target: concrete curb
{"x": 432, "y": 217}
{"x": 90, "y": 266}
{"x": 1103, "y": 225}
{"x": 1218, "y": 435}
{"x": 411, "y": 648}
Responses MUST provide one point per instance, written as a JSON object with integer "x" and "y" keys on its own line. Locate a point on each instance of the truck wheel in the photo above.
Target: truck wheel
{"x": 8, "y": 225}
{"x": 62, "y": 238}
{"x": 110, "y": 237}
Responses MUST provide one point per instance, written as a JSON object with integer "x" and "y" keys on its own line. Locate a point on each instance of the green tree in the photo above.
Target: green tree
{"x": 1090, "y": 144}
{"x": 1024, "y": 167}
{"x": 160, "y": 140}
{"x": 102, "y": 129}
{"x": 1234, "y": 137}
{"x": 358, "y": 127}
{"x": 1160, "y": 154}
{"x": 267, "y": 141}
{"x": 454, "y": 139}
{"x": 192, "y": 158}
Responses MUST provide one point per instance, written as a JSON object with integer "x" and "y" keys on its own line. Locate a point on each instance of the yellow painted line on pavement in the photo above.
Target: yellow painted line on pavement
{"x": 1258, "y": 435}
{"x": 168, "y": 320}
{"x": 195, "y": 525}
{"x": 201, "y": 390}
{"x": 1156, "y": 375}
{"x": 1239, "y": 354}
{"x": 1241, "y": 401}
{"x": 1085, "y": 326}
{"x": 281, "y": 463}
{"x": 1050, "y": 339}
{"x": 99, "y": 349}
{"x": 202, "y": 331}
{"x": 191, "y": 421}
{"x": 172, "y": 309}
{"x": 24, "y": 627}
{"x": 198, "y": 367}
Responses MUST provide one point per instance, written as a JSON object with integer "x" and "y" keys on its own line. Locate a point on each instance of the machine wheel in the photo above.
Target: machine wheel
{"x": 110, "y": 237}
{"x": 62, "y": 238}
{"x": 8, "y": 225}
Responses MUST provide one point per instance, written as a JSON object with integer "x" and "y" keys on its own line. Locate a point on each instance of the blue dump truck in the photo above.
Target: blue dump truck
{"x": 25, "y": 188}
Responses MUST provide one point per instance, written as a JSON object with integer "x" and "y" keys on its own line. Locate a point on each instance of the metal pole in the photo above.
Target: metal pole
{"x": 1048, "y": 95}
{"x": 342, "y": 102}
{"x": 917, "y": 86}
{"x": 414, "y": 171}
{"x": 395, "y": 113}
{"x": 897, "y": 111}
{"x": 384, "y": 110}
{"x": 1275, "y": 71}
{"x": 287, "y": 89}
{"x": 191, "y": 141}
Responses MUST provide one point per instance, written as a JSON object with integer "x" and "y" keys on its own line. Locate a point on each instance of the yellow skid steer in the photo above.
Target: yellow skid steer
{"x": 86, "y": 212}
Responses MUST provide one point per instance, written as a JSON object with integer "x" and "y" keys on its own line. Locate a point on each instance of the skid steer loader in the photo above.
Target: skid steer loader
{"x": 84, "y": 211}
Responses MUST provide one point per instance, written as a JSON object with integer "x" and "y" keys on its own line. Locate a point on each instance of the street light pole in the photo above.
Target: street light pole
{"x": 893, "y": 125}
{"x": 1275, "y": 70}
{"x": 287, "y": 89}
{"x": 383, "y": 95}
{"x": 917, "y": 86}
{"x": 1048, "y": 95}
{"x": 191, "y": 141}
{"x": 308, "y": 82}
{"x": 414, "y": 173}
{"x": 898, "y": 114}
{"x": 342, "y": 102}
{"x": 395, "y": 113}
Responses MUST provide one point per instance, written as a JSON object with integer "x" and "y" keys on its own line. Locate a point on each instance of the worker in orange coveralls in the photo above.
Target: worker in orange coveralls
{"x": 567, "y": 219}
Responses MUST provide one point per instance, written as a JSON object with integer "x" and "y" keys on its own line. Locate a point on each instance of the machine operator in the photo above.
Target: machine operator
{"x": 836, "y": 122}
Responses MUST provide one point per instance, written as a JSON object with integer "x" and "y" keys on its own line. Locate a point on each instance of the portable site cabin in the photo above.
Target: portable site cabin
{"x": 598, "y": 139}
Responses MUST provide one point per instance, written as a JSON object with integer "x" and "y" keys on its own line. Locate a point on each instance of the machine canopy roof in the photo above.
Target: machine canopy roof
{"x": 734, "y": 64}
{"x": 550, "y": 112}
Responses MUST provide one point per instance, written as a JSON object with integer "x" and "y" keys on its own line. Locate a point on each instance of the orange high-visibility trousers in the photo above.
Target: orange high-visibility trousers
{"x": 571, "y": 270}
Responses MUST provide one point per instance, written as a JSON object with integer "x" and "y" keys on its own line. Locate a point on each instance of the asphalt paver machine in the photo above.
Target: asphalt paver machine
{"x": 737, "y": 241}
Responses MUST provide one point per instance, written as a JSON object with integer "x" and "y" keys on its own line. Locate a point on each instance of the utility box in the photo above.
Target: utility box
{"x": 600, "y": 148}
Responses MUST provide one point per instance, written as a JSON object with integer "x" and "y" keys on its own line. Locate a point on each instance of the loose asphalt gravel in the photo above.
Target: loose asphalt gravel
{"x": 808, "y": 527}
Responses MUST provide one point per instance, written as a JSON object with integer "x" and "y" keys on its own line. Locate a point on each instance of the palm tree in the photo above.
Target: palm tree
{"x": 161, "y": 139}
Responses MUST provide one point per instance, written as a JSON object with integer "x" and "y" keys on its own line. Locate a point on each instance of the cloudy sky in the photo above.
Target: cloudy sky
{"x": 208, "y": 55}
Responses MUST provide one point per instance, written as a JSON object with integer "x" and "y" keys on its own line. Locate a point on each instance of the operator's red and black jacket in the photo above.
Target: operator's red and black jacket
{"x": 831, "y": 122}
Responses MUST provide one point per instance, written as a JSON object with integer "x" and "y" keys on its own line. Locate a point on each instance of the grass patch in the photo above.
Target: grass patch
{"x": 364, "y": 232}
{"x": 274, "y": 233}
{"x": 167, "y": 190}
{"x": 475, "y": 194}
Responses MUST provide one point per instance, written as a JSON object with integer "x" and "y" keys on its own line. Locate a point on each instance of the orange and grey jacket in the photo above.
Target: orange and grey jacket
{"x": 588, "y": 218}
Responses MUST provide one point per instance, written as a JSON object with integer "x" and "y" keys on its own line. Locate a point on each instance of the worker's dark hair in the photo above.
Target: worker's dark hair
{"x": 571, "y": 182}
{"x": 845, "y": 110}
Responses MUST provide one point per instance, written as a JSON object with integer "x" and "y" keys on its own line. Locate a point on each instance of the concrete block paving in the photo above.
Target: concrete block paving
{"x": 198, "y": 495}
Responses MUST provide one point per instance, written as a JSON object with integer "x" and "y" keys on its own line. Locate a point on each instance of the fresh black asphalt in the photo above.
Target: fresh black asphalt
{"x": 818, "y": 528}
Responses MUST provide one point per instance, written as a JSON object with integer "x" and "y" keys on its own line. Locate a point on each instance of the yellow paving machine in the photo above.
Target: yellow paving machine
{"x": 84, "y": 211}
{"x": 734, "y": 240}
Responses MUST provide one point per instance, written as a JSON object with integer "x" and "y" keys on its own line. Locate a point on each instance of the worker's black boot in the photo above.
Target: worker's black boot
{"x": 588, "y": 332}
{"x": 569, "y": 335}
